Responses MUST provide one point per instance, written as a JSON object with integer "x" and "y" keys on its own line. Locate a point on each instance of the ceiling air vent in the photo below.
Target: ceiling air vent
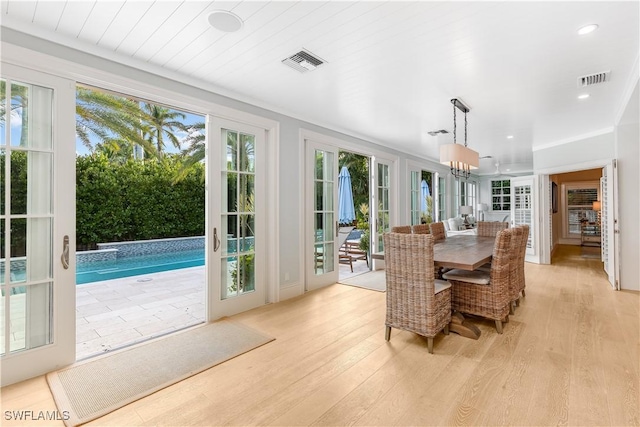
{"x": 594, "y": 79}
{"x": 303, "y": 61}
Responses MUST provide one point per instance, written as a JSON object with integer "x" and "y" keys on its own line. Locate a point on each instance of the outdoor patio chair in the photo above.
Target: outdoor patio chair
{"x": 416, "y": 302}
{"x": 343, "y": 253}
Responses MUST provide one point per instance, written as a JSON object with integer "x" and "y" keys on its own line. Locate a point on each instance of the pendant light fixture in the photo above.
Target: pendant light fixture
{"x": 460, "y": 158}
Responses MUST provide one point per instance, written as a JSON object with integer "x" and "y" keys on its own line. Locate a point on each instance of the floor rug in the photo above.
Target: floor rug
{"x": 95, "y": 387}
{"x": 374, "y": 280}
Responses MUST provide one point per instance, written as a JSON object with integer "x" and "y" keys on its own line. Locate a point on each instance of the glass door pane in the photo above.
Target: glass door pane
{"x": 26, "y": 177}
{"x": 324, "y": 211}
{"x": 383, "y": 205}
{"x": 238, "y": 215}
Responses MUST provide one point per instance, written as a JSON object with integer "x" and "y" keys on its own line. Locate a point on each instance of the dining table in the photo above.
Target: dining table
{"x": 466, "y": 252}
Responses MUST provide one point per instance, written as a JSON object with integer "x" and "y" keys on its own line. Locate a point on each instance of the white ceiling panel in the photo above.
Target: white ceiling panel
{"x": 100, "y": 17}
{"x": 147, "y": 26}
{"x": 21, "y": 10}
{"x": 182, "y": 18}
{"x": 123, "y": 23}
{"x": 48, "y": 13}
{"x": 391, "y": 67}
{"x": 73, "y": 17}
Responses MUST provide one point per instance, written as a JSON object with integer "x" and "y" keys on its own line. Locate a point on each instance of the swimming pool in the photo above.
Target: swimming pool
{"x": 137, "y": 265}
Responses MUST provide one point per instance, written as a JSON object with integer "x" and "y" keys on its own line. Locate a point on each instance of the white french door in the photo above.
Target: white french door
{"x": 609, "y": 222}
{"x": 37, "y": 223}
{"x": 321, "y": 194}
{"x": 524, "y": 210}
{"x": 381, "y": 202}
{"x": 236, "y": 244}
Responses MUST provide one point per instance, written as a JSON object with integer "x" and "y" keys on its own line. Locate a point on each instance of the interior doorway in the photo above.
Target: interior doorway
{"x": 583, "y": 214}
{"x": 355, "y": 231}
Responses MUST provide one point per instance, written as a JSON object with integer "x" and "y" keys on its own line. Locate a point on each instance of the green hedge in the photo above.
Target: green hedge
{"x": 136, "y": 200}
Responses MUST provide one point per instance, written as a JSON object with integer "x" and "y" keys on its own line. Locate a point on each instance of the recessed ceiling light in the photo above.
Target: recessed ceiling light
{"x": 587, "y": 29}
{"x": 583, "y": 96}
{"x": 509, "y": 136}
{"x": 225, "y": 21}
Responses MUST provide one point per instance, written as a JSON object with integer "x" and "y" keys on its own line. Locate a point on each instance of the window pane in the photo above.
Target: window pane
{"x": 232, "y": 151}
{"x": 246, "y": 202}
{"x": 232, "y": 192}
{"x": 38, "y": 324}
{"x": 247, "y": 153}
{"x": 3, "y": 110}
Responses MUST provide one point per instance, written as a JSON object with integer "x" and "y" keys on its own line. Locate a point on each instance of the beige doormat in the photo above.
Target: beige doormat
{"x": 95, "y": 387}
{"x": 374, "y": 280}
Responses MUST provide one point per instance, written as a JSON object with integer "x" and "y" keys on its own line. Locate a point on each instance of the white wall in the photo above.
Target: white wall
{"x": 628, "y": 154}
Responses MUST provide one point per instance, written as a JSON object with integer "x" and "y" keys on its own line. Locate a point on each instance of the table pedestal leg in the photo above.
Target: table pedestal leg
{"x": 462, "y": 327}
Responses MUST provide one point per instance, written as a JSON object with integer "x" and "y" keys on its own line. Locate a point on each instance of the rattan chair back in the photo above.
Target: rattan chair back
{"x": 437, "y": 231}
{"x": 406, "y": 229}
{"x": 490, "y": 229}
{"x": 420, "y": 229}
{"x": 412, "y": 303}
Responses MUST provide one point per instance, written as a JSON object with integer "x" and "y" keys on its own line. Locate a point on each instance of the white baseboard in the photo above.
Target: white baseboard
{"x": 291, "y": 291}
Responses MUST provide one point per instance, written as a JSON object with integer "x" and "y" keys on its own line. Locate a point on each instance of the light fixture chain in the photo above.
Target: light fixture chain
{"x": 465, "y": 128}
{"x": 454, "y": 123}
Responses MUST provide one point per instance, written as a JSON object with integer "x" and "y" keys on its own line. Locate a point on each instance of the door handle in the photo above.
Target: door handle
{"x": 216, "y": 240}
{"x": 64, "y": 258}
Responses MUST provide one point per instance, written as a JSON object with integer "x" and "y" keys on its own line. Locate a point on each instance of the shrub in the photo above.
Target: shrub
{"x": 136, "y": 200}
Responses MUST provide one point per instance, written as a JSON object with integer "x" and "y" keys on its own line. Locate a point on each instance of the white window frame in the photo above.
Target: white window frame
{"x": 566, "y": 234}
{"x": 502, "y": 195}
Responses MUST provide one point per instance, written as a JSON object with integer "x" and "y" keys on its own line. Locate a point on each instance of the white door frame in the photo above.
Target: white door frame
{"x": 533, "y": 252}
{"x": 340, "y": 144}
{"x": 613, "y": 210}
{"x": 315, "y": 281}
{"x": 218, "y": 307}
{"x": 29, "y": 363}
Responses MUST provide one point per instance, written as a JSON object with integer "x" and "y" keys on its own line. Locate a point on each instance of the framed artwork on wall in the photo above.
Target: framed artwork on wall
{"x": 554, "y": 197}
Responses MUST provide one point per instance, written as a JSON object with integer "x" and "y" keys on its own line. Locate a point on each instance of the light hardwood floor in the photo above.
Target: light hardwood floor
{"x": 569, "y": 356}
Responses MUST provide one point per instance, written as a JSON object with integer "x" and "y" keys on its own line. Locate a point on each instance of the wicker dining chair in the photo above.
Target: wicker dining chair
{"x": 520, "y": 281}
{"x": 406, "y": 229}
{"x": 485, "y": 294}
{"x": 420, "y": 229}
{"x": 416, "y": 302}
{"x": 437, "y": 231}
{"x": 490, "y": 229}
{"x": 514, "y": 282}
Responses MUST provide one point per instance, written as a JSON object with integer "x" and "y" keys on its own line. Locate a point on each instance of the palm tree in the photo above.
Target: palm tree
{"x": 160, "y": 122}
{"x": 195, "y": 149}
{"x": 19, "y": 107}
{"x": 110, "y": 118}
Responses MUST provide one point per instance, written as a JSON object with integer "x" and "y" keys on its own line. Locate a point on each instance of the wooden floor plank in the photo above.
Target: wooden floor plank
{"x": 568, "y": 356}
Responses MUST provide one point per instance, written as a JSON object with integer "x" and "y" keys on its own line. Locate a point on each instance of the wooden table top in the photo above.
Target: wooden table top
{"x": 464, "y": 251}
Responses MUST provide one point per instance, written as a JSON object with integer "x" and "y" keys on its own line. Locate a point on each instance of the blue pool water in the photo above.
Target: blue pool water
{"x": 133, "y": 266}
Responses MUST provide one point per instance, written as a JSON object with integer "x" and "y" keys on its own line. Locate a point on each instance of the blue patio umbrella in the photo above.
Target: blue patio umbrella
{"x": 346, "y": 211}
{"x": 425, "y": 193}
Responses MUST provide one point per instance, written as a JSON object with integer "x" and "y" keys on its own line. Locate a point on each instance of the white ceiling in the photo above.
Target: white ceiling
{"x": 392, "y": 67}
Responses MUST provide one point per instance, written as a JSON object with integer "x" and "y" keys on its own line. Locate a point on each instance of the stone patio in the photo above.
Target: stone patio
{"x": 116, "y": 313}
